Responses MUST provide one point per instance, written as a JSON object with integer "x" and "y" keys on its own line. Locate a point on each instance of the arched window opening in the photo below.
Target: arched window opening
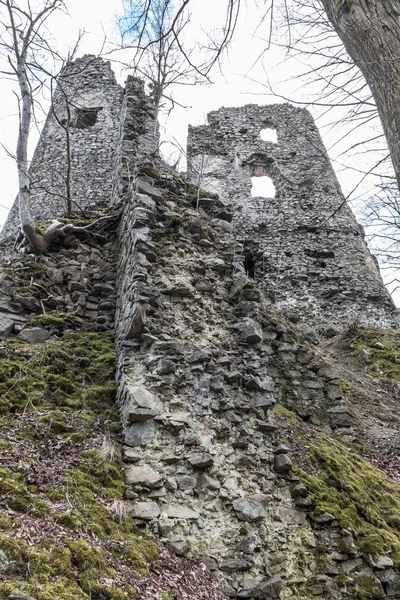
{"x": 268, "y": 134}
{"x": 262, "y": 187}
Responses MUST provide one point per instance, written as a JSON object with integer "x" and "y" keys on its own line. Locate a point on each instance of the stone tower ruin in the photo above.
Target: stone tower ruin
{"x": 105, "y": 122}
{"x": 304, "y": 245}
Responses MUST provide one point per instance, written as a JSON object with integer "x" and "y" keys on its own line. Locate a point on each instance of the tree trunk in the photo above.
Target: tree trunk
{"x": 24, "y": 185}
{"x": 370, "y": 32}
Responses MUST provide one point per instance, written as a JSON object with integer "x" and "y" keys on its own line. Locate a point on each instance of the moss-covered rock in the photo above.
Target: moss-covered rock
{"x": 74, "y": 372}
{"x": 383, "y": 351}
{"x": 362, "y": 498}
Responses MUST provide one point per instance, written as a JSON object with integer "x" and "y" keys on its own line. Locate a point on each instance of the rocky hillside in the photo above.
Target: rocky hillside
{"x": 65, "y": 527}
{"x": 239, "y": 455}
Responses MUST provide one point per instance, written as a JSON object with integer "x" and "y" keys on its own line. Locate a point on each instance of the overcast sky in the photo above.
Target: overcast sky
{"x": 240, "y": 83}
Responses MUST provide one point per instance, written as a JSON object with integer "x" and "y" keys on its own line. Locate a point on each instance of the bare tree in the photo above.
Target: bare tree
{"x": 370, "y": 32}
{"x": 161, "y": 57}
{"x": 22, "y": 37}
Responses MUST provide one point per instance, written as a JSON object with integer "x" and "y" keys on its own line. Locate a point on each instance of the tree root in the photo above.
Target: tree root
{"x": 37, "y": 243}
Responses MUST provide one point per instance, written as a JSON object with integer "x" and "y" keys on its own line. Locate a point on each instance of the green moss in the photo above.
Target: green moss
{"x": 64, "y": 568}
{"x": 54, "y": 420}
{"x": 251, "y": 284}
{"x": 172, "y": 226}
{"x": 75, "y": 372}
{"x": 4, "y": 445}
{"x": 6, "y": 522}
{"x": 367, "y": 588}
{"x": 284, "y": 413}
{"x": 11, "y": 482}
{"x": 72, "y": 381}
{"x": 57, "y": 322}
{"x": 348, "y": 388}
{"x": 77, "y": 438}
{"x": 362, "y": 498}
{"x": 18, "y": 495}
{"x": 385, "y": 360}
{"x": 69, "y": 520}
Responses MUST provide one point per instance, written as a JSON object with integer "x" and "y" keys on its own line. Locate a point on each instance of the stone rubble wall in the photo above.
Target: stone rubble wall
{"x": 203, "y": 360}
{"x": 77, "y": 282}
{"x": 311, "y": 256}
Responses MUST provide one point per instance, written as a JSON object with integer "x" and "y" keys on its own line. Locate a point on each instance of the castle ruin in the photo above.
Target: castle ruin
{"x": 219, "y": 305}
{"x": 308, "y": 251}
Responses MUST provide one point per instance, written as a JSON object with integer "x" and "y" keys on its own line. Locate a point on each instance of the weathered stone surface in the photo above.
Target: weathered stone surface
{"x": 247, "y": 587}
{"x": 137, "y": 322}
{"x": 281, "y": 449}
{"x": 209, "y": 483}
{"x": 141, "y": 404}
{"x": 292, "y": 516}
{"x": 327, "y": 373}
{"x": 251, "y": 332}
{"x": 248, "y": 510}
{"x": 94, "y": 148}
{"x": 250, "y": 543}
{"x": 322, "y": 518}
{"x": 334, "y": 392}
{"x": 165, "y": 366}
{"x": 34, "y": 335}
{"x": 145, "y": 511}
{"x": 178, "y": 511}
{"x": 139, "y": 415}
{"x": 142, "y": 476}
{"x": 178, "y": 545}
{"x": 221, "y": 224}
{"x": 380, "y": 562}
{"x": 145, "y": 188}
{"x": 340, "y": 263}
{"x": 200, "y": 460}
{"x": 140, "y": 434}
{"x": 282, "y": 463}
{"x": 179, "y": 270}
{"x": 388, "y": 576}
{"x": 235, "y": 564}
{"x": 270, "y": 588}
{"x": 131, "y": 456}
{"x": 6, "y": 325}
{"x": 186, "y": 482}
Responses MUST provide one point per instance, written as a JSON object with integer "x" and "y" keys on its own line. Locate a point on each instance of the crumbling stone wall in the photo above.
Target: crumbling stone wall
{"x": 204, "y": 368}
{"x": 309, "y": 252}
{"x": 88, "y": 91}
{"x": 106, "y": 122}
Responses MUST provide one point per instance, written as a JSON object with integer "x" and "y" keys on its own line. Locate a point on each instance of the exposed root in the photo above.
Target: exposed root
{"x": 37, "y": 243}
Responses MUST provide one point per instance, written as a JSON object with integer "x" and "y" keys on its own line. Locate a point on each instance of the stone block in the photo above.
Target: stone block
{"x": 34, "y": 335}
{"x": 200, "y": 460}
{"x": 282, "y": 463}
{"x": 247, "y": 509}
{"x": 137, "y": 321}
{"x": 142, "y": 476}
{"x": 251, "y": 332}
{"x": 145, "y": 511}
{"x": 178, "y": 511}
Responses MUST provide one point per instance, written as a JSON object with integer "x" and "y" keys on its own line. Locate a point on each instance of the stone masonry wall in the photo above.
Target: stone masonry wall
{"x": 88, "y": 87}
{"x": 309, "y": 252}
{"x": 203, "y": 363}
